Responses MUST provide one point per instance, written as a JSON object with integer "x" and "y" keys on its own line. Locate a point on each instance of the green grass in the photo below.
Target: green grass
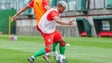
{"x": 82, "y": 50}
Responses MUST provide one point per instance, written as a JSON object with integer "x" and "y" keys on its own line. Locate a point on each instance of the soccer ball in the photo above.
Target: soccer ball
{"x": 60, "y": 58}
{"x": 13, "y": 37}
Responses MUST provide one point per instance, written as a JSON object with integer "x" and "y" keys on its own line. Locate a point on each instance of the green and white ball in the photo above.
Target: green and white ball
{"x": 60, "y": 58}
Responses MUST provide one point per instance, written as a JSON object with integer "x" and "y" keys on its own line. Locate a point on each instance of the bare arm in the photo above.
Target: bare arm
{"x": 19, "y": 12}
{"x": 59, "y": 21}
{"x": 22, "y": 10}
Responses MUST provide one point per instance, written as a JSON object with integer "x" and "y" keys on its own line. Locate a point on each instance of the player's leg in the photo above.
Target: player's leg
{"x": 57, "y": 40}
{"x": 57, "y": 37}
{"x": 46, "y": 55}
{"x": 48, "y": 43}
{"x": 62, "y": 46}
{"x": 54, "y": 49}
{"x": 38, "y": 53}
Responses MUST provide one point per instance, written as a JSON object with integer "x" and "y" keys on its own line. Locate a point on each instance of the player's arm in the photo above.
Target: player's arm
{"x": 59, "y": 21}
{"x": 23, "y": 9}
{"x": 19, "y": 12}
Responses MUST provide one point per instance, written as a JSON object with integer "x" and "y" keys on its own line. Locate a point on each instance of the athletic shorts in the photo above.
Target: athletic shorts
{"x": 50, "y": 38}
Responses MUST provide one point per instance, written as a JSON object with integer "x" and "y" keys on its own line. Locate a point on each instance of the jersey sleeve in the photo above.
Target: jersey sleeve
{"x": 45, "y": 3}
{"x": 31, "y": 3}
{"x": 52, "y": 14}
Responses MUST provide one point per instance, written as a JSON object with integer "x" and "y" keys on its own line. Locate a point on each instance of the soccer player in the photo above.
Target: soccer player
{"x": 47, "y": 28}
{"x": 40, "y": 7}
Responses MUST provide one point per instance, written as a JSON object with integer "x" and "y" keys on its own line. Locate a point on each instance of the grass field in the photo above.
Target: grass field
{"x": 82, "y": 50}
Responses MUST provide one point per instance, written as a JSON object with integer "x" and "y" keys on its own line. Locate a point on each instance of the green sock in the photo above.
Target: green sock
{"x": 54, "y": 46}
{"x": 39, "y": 53}
{"x": 62, "y": 49}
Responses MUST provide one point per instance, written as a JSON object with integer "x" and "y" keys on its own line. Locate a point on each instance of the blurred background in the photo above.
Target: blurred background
{"x": 90, "y": 38}
{"x": 92, "y": 18}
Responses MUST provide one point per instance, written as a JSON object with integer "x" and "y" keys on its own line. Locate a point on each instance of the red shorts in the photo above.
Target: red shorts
{"x": 50, "y": 38}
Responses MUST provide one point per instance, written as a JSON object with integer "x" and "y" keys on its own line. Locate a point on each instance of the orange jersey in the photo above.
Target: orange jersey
{"x": 39, "y": 8}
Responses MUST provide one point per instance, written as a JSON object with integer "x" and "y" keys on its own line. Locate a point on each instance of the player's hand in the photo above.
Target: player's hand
{"x": 13, "y": 18}
{"x": 71, "y": 22}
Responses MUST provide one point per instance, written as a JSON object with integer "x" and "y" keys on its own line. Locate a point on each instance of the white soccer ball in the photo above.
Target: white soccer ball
{"x": 13, "y": 37}
{"x": 60, "y": 58}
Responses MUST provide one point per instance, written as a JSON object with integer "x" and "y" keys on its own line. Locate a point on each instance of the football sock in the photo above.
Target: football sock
{"x": 62, "y": 49}
{"x": 39, "y": 53}
{"x": 54, "y": 46}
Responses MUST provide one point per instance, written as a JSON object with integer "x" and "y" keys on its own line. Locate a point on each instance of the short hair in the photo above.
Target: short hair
{"x": 62, "y": 3}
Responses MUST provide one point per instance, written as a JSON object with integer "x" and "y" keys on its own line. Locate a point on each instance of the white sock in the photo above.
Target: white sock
{"x": 47, "y": 54}
{"x": 33, "y": 57}
{"x": 55, "y": 53}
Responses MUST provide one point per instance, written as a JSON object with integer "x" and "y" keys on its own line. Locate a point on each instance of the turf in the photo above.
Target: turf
{"x": 82, "y": 50}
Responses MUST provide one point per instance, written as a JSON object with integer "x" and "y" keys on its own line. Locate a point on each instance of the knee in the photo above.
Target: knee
{"x": 63, "y": 43}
